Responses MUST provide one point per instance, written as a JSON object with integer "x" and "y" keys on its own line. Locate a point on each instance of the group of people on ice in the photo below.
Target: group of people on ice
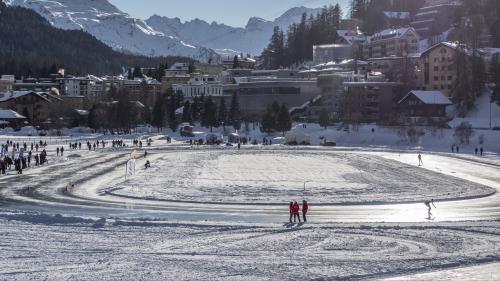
{"x": 20, "y": 156}
{"x": 295, "y": 209}
{"x": 138, "y": 143}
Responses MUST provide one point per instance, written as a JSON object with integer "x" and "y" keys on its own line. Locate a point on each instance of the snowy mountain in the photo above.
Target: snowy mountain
{"x": 225, "y": 39}
{"x": 114, "y": 27}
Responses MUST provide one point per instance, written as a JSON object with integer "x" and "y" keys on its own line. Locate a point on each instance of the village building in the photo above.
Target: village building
{"x": 11, "y": 118}
{"x": 424, "y": 107}
{"x": 35, "y": 106}
{"x": 438, "y": 70}
{"x": 391, "y": 42}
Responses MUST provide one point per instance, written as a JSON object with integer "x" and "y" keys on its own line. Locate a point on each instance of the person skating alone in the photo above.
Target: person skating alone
{"x": 305, "y": 208}
{"x": 428, "y": 203}
{"x": 420, "y": 162}
{"x": 296, "y": 210}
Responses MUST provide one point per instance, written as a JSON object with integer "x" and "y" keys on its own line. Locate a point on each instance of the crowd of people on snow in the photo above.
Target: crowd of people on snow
{"x": 139, "y": 143}
{"x": 92, "y": 146}
{"x": 295, "y": 209}
{"x": 20, "y": 156}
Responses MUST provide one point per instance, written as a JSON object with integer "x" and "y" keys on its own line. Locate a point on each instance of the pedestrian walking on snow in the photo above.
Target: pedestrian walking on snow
{"x": 290, "y": 208}
{"x": 420, "y": 162}
{"x": 305, "y": 209}
{"x": 296, "y": 210}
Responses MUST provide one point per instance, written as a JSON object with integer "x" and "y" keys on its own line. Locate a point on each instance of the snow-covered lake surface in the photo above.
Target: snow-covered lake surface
{"x": 226, "y": 221}
{"x": 268, "y": 176}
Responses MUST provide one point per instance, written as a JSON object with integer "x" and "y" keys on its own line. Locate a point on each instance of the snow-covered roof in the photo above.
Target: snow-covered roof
{"x": 138, "y": 104}
{"x": 397, "y": 15}
{"x": 451, "y": 45}
{"x": 10, "y": 114}
{"x": 429, "y": 97}
{"x": 17, "y": 94}
{"x": 82, "y": 112}
{"x": 350, "y": 35}
{"x": 390, "y": 33}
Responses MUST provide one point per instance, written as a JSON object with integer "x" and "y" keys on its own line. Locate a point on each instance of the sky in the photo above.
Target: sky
{"x": 230, "y": 12}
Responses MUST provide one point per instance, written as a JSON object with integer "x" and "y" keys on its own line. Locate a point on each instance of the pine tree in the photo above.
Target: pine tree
{"x": 187, "y": 115}
{"x": 268, "y": 120}
{"x": 462, "y": 91}
{"x": 158, "y": 118}
{"x": 495, "y": 78}
{"x": 209, "y": 115}
{"x": 137, "y": 73}
{"x": 283, "y": 120}
{"x": 234, "y": 117}
{"x": 93, "y": 119}
{"x": 324, "y": 119}
{"x": 195, "y": 109}
{"x": 173, "y": 123}
{"x": 478, "y": 75}
{"x": 274, "y": 54}
{"x": 494, "y": 69}
{"x": 276, "y": 108}
{"x": 358, "y": 9}
{"x": 222, "y": 114}
{"x": 236, "y": 62}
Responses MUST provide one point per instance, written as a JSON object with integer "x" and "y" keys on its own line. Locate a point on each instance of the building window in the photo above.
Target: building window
{"x": 436, "y": 78}
{"x": 450, "y": 78}
{"x": 436, "y": 68}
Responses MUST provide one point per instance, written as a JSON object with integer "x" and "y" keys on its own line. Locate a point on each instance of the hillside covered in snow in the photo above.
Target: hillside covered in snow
{"x": 113, "y": 27}
{"x": 158, "y": 35}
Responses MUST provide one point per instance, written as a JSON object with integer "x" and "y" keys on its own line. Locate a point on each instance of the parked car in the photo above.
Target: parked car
{"x": 187, "y": 131}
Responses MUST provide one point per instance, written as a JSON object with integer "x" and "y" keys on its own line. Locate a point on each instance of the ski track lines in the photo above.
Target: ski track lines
{"x": 42, "y": 186}
{"x": 335, "y": 252}
{"x": 95, "y": 173}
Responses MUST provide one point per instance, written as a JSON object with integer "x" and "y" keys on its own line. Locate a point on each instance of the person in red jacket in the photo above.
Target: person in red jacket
{"x": 295, "y": 210}
{"x": 305, "y": 208}
{"x": 290, "y": 208}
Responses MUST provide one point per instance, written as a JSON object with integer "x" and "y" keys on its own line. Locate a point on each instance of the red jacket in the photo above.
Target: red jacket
{"x": 295, "y": 208}
{"x": 305, "y": 208}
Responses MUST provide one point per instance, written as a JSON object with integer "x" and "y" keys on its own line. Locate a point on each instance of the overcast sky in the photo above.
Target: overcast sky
{"x": 231, "y": 12}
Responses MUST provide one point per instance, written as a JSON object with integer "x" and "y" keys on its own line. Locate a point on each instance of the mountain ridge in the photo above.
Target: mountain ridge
{"x": 113, "y": 27}
{"x": 252, "y": 38}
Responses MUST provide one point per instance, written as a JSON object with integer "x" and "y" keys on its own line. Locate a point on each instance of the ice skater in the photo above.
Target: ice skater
{"x": 420, "y": 162}
{"x": 428, "y": 203}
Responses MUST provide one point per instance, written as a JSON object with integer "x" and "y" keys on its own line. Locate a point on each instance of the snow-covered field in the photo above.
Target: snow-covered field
{"x": 226, "y": 220}
{"x": 171, "y": 251}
